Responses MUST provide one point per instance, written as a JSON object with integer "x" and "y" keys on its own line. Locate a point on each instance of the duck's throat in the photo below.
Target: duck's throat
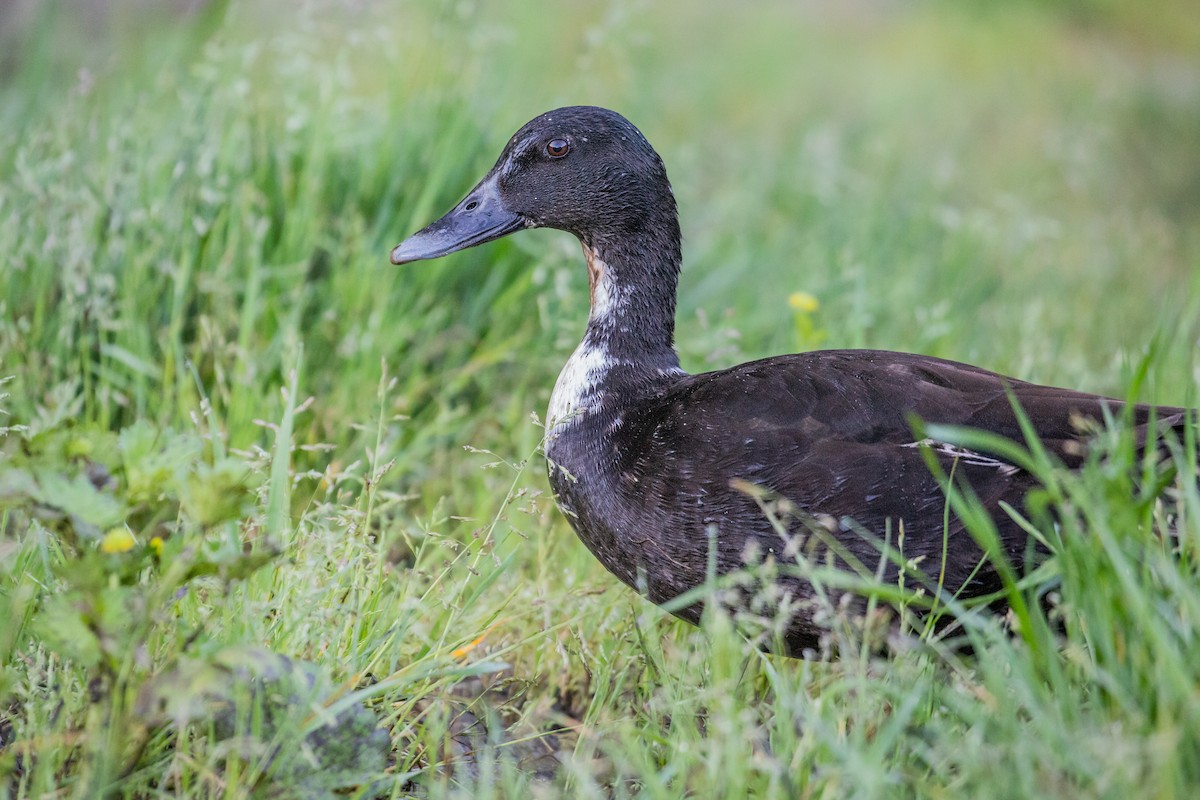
{"x": 629, "y": 342}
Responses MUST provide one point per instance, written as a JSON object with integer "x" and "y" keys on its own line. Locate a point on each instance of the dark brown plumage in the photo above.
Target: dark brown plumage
{"x": 647, "y": 461}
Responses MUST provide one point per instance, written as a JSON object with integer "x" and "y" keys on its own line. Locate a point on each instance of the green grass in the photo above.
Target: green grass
{"x": 204, "y": 345}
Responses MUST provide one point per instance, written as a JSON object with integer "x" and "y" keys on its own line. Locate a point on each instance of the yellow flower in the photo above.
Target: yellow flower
{"x": 156, "y": 545}
{"x": 117, "y": 540}
{"x": 803, "y": 302}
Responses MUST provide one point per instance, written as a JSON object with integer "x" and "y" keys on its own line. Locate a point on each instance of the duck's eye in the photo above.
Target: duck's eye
{"x": 557, "y": 148}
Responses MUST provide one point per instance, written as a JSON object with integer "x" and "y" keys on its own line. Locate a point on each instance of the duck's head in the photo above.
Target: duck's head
{"x": 580, "y": 169}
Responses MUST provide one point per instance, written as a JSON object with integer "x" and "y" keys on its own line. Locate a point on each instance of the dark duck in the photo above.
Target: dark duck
{"x": 655, "y": 469}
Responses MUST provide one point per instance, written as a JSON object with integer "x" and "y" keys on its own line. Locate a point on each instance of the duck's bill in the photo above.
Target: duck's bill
{"x": 480, "y": 217}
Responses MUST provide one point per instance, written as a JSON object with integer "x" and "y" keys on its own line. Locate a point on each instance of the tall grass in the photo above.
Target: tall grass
{"x": 231, "y": 429}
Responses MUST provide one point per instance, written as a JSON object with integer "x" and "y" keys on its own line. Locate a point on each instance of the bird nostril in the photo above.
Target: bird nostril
{"x": 471, "y": 206}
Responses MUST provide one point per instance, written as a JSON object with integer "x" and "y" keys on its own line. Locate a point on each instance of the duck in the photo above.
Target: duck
{"x": 663, "y": 474}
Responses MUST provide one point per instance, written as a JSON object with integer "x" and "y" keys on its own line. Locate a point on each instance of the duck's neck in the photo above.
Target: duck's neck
{"x": 631, "y": 328}
{"x": 633, "y": 282}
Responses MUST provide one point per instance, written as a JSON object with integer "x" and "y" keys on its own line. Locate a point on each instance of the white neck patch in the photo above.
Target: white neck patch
{"x": 606, "y": 298}
{"x": 577, "y": 390}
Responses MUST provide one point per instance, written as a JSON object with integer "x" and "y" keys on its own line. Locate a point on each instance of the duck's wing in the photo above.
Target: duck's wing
{"x": 868, "y": 397}
{"x": 830, "y": 431}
